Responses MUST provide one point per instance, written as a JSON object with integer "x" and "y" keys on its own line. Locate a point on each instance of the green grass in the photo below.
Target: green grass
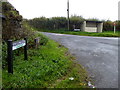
{"x": 103, "y": 34}
{"x": 49, "y": 66}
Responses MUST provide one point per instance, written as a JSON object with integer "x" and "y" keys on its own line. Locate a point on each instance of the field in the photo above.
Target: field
{"x": 103, "y": 34}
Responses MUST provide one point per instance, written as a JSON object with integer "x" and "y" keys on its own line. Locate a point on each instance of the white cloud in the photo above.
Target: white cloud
{"x": 101, "y": 9}
{"x": 119, "y": 11}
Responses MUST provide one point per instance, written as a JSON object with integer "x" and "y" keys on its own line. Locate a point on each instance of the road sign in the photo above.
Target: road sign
{"x": 114, "y": 27}
{"x": 18, "y": 44}
{"x": 13, "y": 46}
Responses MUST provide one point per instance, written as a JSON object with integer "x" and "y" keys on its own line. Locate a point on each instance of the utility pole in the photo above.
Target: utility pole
{"x": 68, "y": 15}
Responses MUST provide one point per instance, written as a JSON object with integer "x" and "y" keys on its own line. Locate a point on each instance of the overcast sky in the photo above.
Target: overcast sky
{"x": 101, "y": 9}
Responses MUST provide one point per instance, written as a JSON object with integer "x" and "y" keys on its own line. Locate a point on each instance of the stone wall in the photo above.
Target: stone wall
{"x": 12, "y": 22}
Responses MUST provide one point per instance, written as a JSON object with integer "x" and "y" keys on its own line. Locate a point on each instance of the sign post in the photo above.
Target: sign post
{"x": 114, "y": 27}
{"x": 9, "y": 57}
{"x": 11, "y": 46}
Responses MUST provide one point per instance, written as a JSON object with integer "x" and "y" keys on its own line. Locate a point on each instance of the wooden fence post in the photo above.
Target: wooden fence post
{"x": 36, "y": 40}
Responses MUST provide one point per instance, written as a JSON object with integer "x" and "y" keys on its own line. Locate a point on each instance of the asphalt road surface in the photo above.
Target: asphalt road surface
{"x": 99, "y": 55}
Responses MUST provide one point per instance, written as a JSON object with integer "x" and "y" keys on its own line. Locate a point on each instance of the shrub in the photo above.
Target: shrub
{"x": 43, "y": 40}
{"x": 4, "y": 54}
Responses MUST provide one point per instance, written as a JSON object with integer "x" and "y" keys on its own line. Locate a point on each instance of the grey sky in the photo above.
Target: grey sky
{"x": 119, "y": 11}
{"x": 101, "y": 9}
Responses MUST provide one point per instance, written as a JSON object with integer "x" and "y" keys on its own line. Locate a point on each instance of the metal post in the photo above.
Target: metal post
{"x": 9, "y": 57}
{"x": 25, "y": 50}
{"x": 35, "y": 40}
{"x": 36, "y": 43}
{"x": 114, "y": 28}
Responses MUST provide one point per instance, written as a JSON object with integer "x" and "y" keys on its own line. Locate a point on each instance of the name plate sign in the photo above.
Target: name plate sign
{"x": 13, "y": 46}
{"x": 18, "y": 44}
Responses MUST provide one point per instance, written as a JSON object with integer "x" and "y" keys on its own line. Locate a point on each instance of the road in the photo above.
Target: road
{"x": 99, "y": 55}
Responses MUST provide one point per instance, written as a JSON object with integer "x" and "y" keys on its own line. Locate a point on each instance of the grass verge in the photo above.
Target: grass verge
{"x": 103, "y": 34}
{"x": 49, "y": 66}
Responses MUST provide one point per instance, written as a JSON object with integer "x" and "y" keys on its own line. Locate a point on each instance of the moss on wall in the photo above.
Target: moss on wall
{"x": 12, "y": 22}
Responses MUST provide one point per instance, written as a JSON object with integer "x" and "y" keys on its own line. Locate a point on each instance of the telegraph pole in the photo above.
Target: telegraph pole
{"x": 68, "y": 15}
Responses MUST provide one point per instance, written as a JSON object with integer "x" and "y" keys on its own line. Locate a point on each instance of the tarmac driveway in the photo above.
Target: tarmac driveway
{"x": 99, "y": 55}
